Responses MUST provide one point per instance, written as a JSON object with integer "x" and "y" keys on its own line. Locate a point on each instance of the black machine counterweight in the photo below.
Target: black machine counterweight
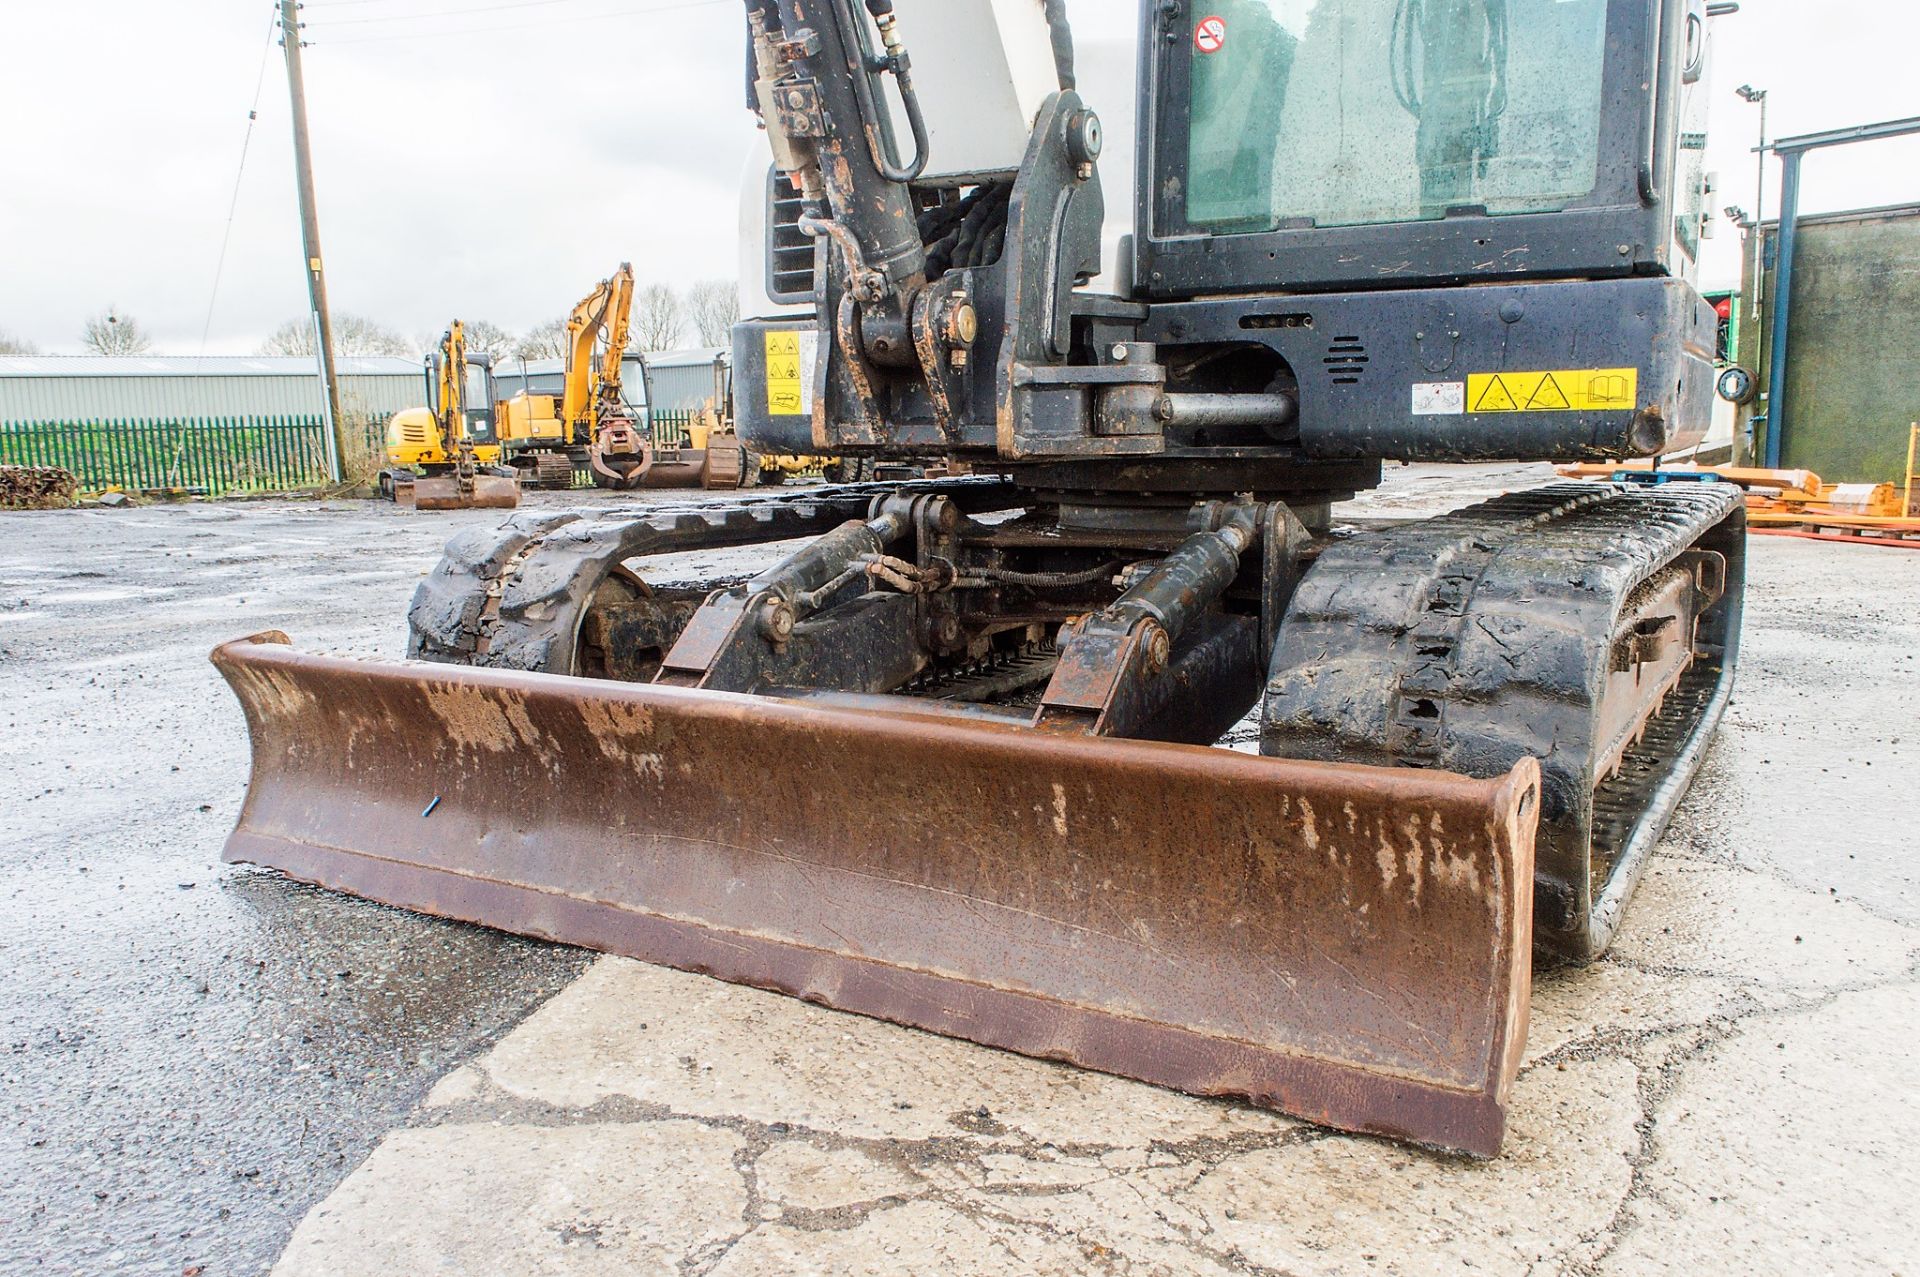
{"x": 949, "y": 762}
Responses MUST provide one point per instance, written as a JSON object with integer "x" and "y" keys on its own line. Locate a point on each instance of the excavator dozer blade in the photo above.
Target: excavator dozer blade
{"x": 1346, "y": 944}
{"x": 489, "y": 492}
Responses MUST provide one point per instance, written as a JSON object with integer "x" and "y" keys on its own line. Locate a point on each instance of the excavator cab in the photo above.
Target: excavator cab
{"x": 1392, "y": 143}
{"x": 977, "y": 753}
{"x": 446, "y": 456}
{"x": 477, "y": 403}
{"x": 417, "y": 438}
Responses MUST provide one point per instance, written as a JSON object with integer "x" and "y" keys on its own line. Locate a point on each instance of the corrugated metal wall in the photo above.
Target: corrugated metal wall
{"x": 220, "y": 390}
{"x": 511, "y": 376}
{"x": 682, "y": 380}
{"x": 1853, "y": 345}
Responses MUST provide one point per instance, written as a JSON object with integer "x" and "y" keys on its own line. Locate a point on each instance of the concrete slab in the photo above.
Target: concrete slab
{"x": 1818, "y": 1177}
{"x": 527, "y": 1199}
{"x": 859, "y": 1136}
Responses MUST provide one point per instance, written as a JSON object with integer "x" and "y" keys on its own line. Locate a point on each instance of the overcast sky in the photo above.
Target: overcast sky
{"x": 492, "y": 158}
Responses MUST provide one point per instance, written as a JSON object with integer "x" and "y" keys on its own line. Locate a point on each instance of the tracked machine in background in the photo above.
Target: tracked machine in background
{"x": 948, "y": 762}
{"x": 446, "y": 456}
{"x": 590, "y": 428}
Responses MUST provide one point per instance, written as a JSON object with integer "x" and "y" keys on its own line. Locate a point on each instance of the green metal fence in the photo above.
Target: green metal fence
{"x": 219, "y": 456}
{"x": 668, "y": 426}
{"x": 214, "y": 455}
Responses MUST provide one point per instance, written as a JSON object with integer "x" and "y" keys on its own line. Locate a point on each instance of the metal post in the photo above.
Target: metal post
{"x": 1782, "y": 305}
{"x": 335, "y": 459}
{"x": 310, "y": 237}
{"x": 1760, "y": 210}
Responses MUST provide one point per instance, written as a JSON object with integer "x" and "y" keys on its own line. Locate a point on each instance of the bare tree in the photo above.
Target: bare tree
{"x": 659, "y": 320}
{"x": 295, "y": 337}
{"x": 11, "y": 345}
{"x": 544, "y": 341}
{"x": 111, "y": 333}
{"x": 712, "y": 306}
{"x": 485, "y": 338}
{"x": 352, "y": 335}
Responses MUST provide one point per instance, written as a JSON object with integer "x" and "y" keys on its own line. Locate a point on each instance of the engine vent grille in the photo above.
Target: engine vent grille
{"x": 1346, "y": 360}
{"x": 790, "y": 251}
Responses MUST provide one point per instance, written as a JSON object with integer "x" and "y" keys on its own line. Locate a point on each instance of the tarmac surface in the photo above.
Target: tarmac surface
{"x": 206, "y": 1066}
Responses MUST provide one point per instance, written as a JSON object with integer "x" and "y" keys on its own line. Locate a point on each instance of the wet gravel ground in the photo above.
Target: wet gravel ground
{"x": 195, "y": 1054}
{"x": 192, "y": 1054}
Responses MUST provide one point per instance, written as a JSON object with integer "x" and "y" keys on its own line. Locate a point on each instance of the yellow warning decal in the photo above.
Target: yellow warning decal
{"x": 785, "y": 394}
{"x": 1564, "y": 390}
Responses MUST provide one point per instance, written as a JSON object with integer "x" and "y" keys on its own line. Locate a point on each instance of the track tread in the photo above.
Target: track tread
{"x": 1471, "y": 640}
{"x": 512, "y": 596}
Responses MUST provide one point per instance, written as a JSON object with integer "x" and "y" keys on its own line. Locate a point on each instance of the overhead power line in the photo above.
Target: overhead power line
{"x": 233, "y": 204}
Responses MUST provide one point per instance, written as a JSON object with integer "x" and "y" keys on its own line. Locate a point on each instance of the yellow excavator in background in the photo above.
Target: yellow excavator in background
{"x": 714, "y": 417}
{"x": 446, "y": 456}
{"x": 589, "y": 425}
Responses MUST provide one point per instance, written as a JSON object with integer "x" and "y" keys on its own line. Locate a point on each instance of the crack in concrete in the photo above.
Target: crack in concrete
{"x": 967, "y": 1154}
{"x": 1658, "y": 1082}
{"x": 975, "y": 1196}
{"x": 845, "y": 1217}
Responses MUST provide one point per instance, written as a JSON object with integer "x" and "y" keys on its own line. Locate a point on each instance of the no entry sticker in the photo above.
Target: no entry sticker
{"x": 1211, "y": 35}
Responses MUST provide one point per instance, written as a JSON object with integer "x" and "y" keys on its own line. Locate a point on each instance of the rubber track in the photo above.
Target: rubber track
{"x": 512, "y": 596}
{"x": 1468, "y": 641}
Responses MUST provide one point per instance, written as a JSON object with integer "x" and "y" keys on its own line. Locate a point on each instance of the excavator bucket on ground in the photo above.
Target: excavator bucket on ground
{"x": 448, "y": 492}
{"x": 1347, "y": 944}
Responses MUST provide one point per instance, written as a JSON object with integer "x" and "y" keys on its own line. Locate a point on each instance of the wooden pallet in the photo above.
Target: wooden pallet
{"x": 1857, "y": 528}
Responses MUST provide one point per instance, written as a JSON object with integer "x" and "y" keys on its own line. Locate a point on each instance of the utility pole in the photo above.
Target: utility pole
{"x": 310, "y": 238}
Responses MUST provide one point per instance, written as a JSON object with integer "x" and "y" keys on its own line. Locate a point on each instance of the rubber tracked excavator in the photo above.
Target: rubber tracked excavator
{"x": 955, "y": 760}
{"x": 446, "y": 456}
{"x": 590, "y": 427}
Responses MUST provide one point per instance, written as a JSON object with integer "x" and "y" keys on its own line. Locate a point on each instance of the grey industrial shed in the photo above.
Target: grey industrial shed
{"x": 683, "y": 380}
{"x": 47, "y": 389}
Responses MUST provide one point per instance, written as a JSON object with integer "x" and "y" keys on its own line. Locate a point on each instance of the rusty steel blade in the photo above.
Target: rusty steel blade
{"x": 489, "y": 492}
{"x": 1346, "y": 944}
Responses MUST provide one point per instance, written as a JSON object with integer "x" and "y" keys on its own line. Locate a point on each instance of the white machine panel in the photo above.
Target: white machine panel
{"x": 982, "y": 69}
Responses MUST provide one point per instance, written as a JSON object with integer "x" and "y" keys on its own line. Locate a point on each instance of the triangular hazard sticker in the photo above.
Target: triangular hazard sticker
{"x": 1495, "y": 398}
{"x": 1548, "y": 397}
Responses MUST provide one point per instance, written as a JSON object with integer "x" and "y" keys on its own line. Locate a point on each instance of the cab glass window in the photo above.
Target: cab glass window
{"x": 1358, "y": 112}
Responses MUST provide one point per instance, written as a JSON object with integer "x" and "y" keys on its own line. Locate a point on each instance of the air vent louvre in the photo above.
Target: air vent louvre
{"x": 790, "y": 251}
{"x": 1346, "y": 359}
{"x": 1292, "y": 319}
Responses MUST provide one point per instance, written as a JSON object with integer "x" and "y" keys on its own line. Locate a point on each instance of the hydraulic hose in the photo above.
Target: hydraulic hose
{"x": 1062, "y": 32}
